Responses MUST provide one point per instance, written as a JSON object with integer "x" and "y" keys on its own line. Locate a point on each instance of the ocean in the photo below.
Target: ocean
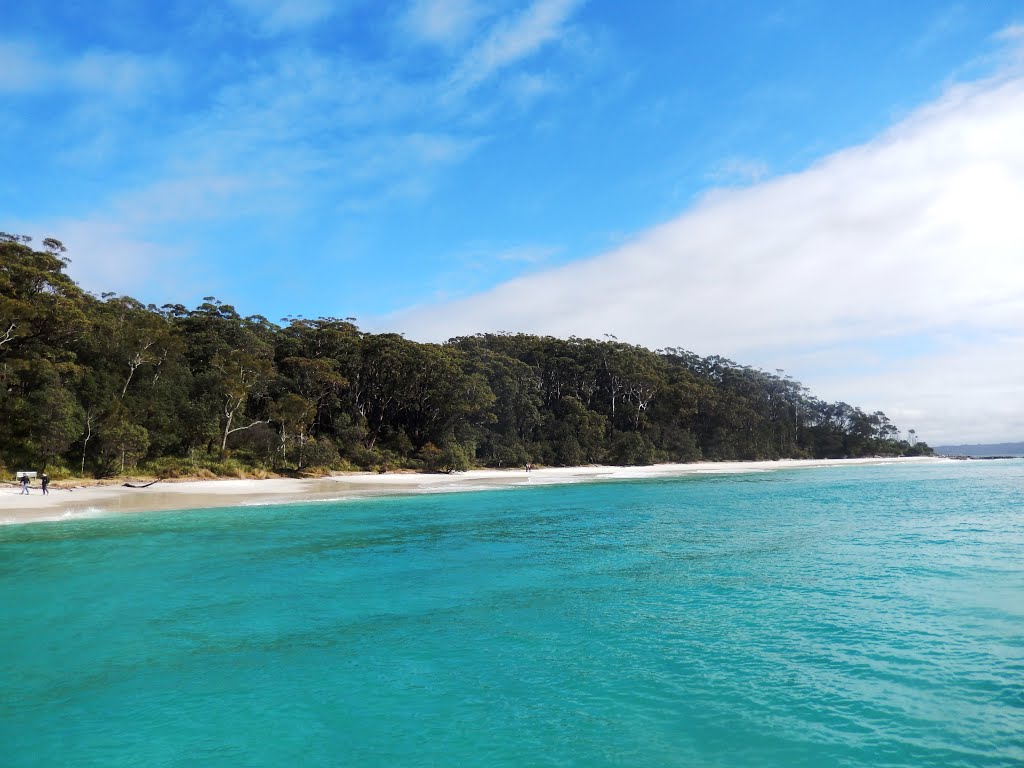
{"x": 850, "y": 616}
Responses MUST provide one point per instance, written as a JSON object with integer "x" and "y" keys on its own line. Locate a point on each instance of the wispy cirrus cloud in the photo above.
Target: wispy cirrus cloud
{"x": 346, "y": 128}
{"x": 114, "y": 75}
{"x": 939, "y": 27}
{"x": 528, "y": 254}
{"x": 444, "y": 23}
{"x": 1012, "y": 33}
{"x": 325, "y": 114}
{"x": 114, "y": 254}
{"x": 22, "y": 68}
{"x": 738, "y": 170}
{"x": 511, "y": 40}
{"x": 479, "y": 263}
{"x": 280, "y": 16}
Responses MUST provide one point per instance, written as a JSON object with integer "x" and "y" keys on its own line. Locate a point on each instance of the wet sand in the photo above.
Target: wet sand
{"x": 97, "y": 501}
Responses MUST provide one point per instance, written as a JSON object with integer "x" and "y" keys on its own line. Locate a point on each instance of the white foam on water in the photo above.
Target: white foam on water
{"x": 736, "y": 471}
{"x": 289, "y": 502}
{"x": 84, "y": 513}
{"x": 463, "y": 488}
{"x": 87, "y": 512}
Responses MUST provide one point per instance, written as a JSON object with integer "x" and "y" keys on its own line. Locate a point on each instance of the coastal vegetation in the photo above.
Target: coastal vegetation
{"x": 105, "y": 385}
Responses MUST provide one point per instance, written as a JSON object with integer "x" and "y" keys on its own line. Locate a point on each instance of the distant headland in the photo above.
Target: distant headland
{"x": 983, "y": 450}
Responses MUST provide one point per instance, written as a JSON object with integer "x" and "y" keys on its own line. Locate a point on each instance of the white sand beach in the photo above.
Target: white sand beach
{"x": 103, "y": 500}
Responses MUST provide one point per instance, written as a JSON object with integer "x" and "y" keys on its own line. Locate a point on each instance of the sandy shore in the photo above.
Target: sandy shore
{"x": 65, "y": 504}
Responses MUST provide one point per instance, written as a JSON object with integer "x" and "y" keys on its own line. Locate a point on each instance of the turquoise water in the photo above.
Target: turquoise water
{"x": 859, "y": 616}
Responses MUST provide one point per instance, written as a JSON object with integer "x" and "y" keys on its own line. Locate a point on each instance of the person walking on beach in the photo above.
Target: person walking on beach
{"x": 24, "y": 485}
{"x": 44, "y": 481}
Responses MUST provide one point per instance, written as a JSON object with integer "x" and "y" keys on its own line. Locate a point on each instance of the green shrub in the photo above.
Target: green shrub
{"x": 452, "y": 457}
{"x": 631, "y": 449}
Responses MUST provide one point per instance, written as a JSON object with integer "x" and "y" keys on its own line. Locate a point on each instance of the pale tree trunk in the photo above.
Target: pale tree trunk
{"x": 88, "y": 436}
{"x": 8, "y": 334}
{"x": 230, "y": 412}
{"x": 135, "y": 362}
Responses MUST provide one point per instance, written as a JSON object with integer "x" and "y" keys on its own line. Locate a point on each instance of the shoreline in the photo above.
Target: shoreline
{"x": 108, "y": 500}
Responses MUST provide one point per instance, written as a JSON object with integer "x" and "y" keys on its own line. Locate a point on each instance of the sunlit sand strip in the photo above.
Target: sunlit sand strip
{"x": 69, "y": 504}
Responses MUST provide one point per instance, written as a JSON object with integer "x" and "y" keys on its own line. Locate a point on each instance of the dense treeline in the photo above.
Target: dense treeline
{"x": 103, "y": 385}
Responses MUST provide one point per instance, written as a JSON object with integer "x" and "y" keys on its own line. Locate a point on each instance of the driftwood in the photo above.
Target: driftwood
{"x": 146, "y": 485}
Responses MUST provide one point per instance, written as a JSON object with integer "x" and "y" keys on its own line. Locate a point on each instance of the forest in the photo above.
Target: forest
{"x": 104, "y": 385}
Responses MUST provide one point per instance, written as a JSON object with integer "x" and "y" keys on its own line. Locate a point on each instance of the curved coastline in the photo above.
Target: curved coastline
{"x": 96, "y": 501}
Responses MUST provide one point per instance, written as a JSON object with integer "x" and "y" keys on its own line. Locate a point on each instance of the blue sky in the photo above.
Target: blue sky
{"x": 411, "y": 163}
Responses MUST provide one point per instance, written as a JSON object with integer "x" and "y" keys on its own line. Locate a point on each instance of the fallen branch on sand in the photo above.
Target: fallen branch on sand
{"x": 145, "y": 485}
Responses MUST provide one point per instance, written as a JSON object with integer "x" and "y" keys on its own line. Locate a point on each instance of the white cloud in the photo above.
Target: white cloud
{"x": 119, "y": 247}
{"x": 939, "y": 27}
{"x": 511, "y": 40}
{"x": 527, "y": 254}
{"x": 110, "y": 255}
{"x": 966, "y": 393}
{"x": 442, "y": 22}
{"x": 279, "y": 16}
{"x": 118, "y": 75}
{"x": 22, "y": 68}
{"x": 738, "y": 170}
{"x": 915, "y": 232}
{"x": 1012, "y": 33}
{"x": 483, "y": 257}
{"x": 125, "y": 76}
{"x": 328, "y": 121}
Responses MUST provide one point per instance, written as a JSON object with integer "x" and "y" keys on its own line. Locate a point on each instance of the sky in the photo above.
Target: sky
{"x": 832, "y": 189}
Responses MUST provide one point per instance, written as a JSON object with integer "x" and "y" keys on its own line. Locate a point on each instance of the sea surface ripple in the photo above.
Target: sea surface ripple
{"x": 851, "y": 616}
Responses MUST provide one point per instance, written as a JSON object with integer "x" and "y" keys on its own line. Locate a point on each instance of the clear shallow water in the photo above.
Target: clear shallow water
{"x": 860, "y": 616}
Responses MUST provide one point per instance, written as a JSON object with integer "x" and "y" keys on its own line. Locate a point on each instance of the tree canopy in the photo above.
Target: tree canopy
{"x": 105, "y": 384}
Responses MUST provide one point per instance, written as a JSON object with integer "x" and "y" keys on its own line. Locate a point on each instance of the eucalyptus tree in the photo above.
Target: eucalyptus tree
{"x": 315, "y": 359}
{"x": 41, "y": 320}
{"x": 574, "y": 433}
{"x": 516, "y": 387}
{"x": 294, "y": 414}
{"x": 242, "y": 376}
{"x": 231, "y": 365}
{"x": 132, "y": 382}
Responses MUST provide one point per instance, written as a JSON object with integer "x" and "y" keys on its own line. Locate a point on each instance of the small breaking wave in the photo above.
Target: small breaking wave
{"x": 83, "y": 513}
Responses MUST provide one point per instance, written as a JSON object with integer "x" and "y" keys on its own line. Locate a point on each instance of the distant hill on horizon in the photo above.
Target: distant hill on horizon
{"x": 989, "y": 449}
